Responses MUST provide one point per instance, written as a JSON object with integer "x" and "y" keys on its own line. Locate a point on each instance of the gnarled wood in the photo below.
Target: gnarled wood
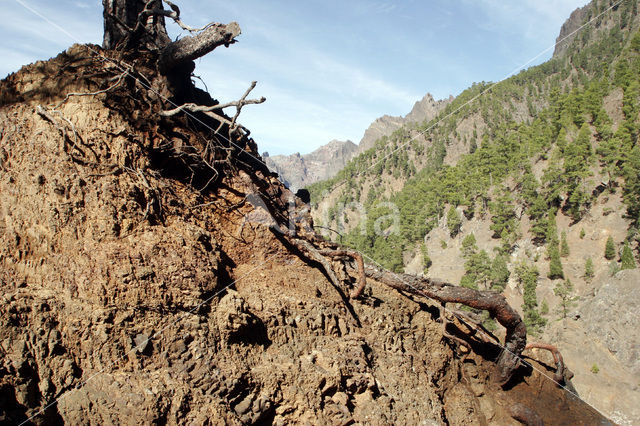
{"x": 192, "y": 47}
{"x": 562, "y": 374}
{"x": 495, "y": 303}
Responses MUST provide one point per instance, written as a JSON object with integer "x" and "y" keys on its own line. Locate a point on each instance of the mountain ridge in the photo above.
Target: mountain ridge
{"x": 300, "y": 170}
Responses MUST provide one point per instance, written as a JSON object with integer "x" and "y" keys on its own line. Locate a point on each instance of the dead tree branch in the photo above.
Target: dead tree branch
{"x": 362, "y": 279}
{"x": 175, "y": 15}
{"x": 209, "y": 110}
{"x": 193, "y": 47}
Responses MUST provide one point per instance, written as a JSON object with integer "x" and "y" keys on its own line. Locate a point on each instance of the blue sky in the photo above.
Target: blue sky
{"x": 327, "y": 68}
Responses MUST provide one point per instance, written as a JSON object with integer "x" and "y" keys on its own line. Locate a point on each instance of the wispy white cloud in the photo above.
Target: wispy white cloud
{"x": 528, "y": 18}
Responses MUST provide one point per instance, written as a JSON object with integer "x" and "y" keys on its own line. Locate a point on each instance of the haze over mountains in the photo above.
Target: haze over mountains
{"x": 299, "y": 170}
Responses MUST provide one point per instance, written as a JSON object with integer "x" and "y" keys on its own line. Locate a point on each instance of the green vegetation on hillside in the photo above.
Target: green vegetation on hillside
{"x": 538, "y": 142}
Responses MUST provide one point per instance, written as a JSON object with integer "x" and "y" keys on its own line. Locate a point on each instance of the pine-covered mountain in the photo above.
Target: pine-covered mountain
{"x": 297, "y": 171}
{"x": 532, "y": 189}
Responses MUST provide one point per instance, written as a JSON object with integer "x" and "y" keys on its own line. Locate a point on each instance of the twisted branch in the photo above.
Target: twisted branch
{"x": 495, "y": 303}
{"x": 562, "y": 373}
{"x": 208, "y": 110}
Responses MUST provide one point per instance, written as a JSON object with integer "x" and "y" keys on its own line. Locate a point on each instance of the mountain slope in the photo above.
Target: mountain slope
{"x": 518, "y": 190}
{"x": 298, "y": 171}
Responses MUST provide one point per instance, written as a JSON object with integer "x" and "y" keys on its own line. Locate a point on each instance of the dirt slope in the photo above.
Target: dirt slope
{"x": 130, "y": 297}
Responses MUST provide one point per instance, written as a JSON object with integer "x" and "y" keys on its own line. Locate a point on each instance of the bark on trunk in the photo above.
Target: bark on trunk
{"x": 121, "y": 19}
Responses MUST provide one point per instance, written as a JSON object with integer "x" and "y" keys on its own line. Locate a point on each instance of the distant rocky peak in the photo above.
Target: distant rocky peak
{"x": 423, "y": 110}
{"x": 298, "y": 171}
{"x": 426, "y": 109}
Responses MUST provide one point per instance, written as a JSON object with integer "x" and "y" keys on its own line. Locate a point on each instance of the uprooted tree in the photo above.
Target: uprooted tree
{"x": 135, "y": 30}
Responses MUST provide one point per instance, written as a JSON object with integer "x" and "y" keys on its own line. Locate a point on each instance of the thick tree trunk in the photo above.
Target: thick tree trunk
{"x": 121, "y": 24}
{"x": 134, "y": 25}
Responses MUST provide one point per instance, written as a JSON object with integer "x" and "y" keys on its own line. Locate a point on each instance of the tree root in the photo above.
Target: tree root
{"x": 495, "y": 303}
{"x": 562, "y": 374}
{"x": 362, "y": 278}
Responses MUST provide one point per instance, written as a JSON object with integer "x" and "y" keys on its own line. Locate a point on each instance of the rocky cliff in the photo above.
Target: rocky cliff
{"x": 133, "y": 292}
{"x": 568, "y": 30}
{"x": 298, "y": 171}
{"x": 423, "y": 110}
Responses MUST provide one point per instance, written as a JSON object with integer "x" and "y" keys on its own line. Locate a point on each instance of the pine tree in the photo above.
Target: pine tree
{"x": 478, "y": 267}
{"x": 610, "y": 249}
{"x": 426, "y": 260}
{"x": 576, "y": 168}
{"x": 552, "y": 229}
{"x": 555, "y": 266}
{"x": 588, "y": 269}
{"x": 527, "y": 276}
{"x": 499, "y": 273}
{"x": 454, "y": 221}
{"x": 564, "y": 246}
{"x": 564, "y": 290}
{"x": 626, "y": 259}
{"x": 469, "y": 245}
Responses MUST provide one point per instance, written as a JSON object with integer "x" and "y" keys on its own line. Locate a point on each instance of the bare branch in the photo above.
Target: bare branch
{"x": 193, "y": 47}
{"x": 208, "y": 110}
{"x": 175, "y": 15}
{"x": 191, "y": 107}
{"x": 242, "y": 102}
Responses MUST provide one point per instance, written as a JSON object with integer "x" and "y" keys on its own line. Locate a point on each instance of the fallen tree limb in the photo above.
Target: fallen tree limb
{"x": 495, "y": 303}
{"x": 362, "y": 278}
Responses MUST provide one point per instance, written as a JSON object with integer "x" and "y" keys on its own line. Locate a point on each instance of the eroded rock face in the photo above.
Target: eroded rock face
{"x": 600, "y": 332}
{"x": 116, "y": 309}
{"x": 297, "y": 171}
{"x": 617, "y": 298}
{"x": 566, "y": 36}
